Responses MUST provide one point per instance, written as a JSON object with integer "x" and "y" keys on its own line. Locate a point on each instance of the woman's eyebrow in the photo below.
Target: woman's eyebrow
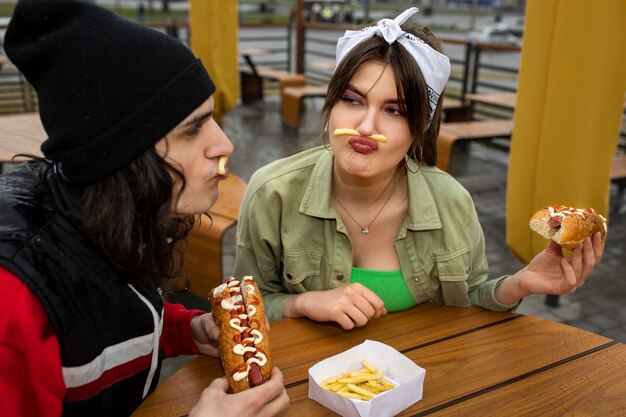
{"x": 355, "y": 90}
{"x": 195, "y": 119}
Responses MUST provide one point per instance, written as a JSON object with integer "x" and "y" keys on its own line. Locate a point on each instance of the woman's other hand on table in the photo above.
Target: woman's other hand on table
{"x": 551, "y": 273}
{"x": 269, "y": 399}
{"x": 350, "y": 305}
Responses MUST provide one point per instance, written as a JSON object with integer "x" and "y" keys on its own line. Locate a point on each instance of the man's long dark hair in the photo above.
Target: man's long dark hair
{"x": 129, "y": 215}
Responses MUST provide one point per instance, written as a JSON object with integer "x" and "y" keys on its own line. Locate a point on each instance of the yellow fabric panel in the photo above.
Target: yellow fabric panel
{"x": 214, "y": 28}
{"x": 569, "y": 108}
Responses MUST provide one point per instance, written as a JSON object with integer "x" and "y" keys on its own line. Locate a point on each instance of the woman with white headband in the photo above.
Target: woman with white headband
{"x": 369, "y": 225}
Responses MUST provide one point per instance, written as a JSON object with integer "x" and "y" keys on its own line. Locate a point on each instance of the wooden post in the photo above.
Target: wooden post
{"x": 569, "y": 109}
{"x": 300, "y": 37}
{"x": 214, "y": 26}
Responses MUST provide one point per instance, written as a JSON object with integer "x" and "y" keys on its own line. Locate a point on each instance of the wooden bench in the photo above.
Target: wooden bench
{"x": 203, "y": 253}
{"x": 450, "y": 133}
{"x": 292, "y": 100}
{"x": 456, "y": 110}
{"x": 252, "y": 81}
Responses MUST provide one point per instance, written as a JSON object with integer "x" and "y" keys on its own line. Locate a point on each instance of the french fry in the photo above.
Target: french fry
{"x": 378, "y": 137}
{"x": 360, "y": 378}
{"x": 221, "y": 165}
{"x": 353, "y": 396}
{"x": 361, "y": 391}
{"x": 351, "y": 132}
{"x": 345, "y": 132}
{"x": 362, "y": 384}
{"x": 369, "y": 367}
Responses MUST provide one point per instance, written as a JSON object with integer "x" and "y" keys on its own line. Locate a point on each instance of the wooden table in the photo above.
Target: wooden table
{"x": 477, "y": 363}
{"x": 20, "y": 133}
{"x": 502, "y": 100}
{"x": 505, "y": 101}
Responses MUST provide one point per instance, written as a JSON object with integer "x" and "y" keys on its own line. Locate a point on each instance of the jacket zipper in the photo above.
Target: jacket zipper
{"x": 158, "y": 329}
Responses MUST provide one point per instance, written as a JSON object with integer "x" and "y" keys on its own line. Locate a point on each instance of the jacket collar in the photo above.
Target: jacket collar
{"x": 422, "y": 215}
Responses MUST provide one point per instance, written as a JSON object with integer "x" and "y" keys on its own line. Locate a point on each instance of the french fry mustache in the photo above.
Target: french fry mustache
{"x": 351, "y": 132}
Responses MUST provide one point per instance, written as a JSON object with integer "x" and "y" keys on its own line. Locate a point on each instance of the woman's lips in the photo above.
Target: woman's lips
{"x": 363, "y": 145}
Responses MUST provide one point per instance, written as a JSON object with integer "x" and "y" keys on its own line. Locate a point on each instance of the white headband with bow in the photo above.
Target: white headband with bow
{"x": 435, "y": 66}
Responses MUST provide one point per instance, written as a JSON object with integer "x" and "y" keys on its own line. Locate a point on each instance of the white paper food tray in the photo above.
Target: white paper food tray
{"x": 398, "y": 369}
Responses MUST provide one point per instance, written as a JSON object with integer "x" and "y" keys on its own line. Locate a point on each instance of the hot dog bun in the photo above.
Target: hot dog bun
{"x": 237, "y": 307}
{"x": 568, "y": 226}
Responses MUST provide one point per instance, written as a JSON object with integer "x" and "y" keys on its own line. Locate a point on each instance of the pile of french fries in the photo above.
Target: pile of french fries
{"x": 363, "y": 384}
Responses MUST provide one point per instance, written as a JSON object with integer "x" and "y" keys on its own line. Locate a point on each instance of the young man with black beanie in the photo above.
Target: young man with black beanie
{"x": 89, "y": 233}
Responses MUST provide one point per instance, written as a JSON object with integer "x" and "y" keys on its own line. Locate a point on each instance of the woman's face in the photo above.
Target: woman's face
{"x": 194, "y": 148}
{"x": 370, "y": 106}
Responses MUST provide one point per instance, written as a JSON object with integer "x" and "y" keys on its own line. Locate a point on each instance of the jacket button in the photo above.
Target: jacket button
{"x": 339, "y": 276}
{"x": 289, "y": 276}
{"x": 467, "y": 270}
{"x": 416, "y": 279}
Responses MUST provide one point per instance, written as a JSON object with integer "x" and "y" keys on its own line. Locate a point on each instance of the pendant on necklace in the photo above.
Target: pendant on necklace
{"x": 365, "y": 230}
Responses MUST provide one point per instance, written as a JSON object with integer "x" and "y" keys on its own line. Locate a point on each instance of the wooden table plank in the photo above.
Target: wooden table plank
{"x": 598, "y": 389}
{"x": 410, "y": 329}
{"x": 479, "y": 129}
{"x": 20, "y": 133}
{"x": 461, "y": 366}
{"x": 502, "y": 100}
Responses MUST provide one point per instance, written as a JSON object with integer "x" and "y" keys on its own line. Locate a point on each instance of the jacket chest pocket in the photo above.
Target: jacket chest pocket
{"x": 453, "y": 274}
{"x": 301, "y": 273}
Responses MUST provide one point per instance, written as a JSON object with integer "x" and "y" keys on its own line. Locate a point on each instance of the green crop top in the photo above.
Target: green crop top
{"x": 388, "y": 285}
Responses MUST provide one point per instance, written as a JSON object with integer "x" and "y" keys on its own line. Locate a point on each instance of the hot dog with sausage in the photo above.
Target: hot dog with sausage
{"x": 568, "y": 226}
{"x": 244, "y": 344}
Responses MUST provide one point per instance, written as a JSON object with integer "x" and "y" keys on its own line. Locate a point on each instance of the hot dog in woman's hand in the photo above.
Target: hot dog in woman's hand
{"x": 568, "y": 226}
{"x": 237, "y": 308}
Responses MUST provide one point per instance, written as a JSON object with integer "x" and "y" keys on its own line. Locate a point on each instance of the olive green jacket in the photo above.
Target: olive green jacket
{"x": 291, "y": 239}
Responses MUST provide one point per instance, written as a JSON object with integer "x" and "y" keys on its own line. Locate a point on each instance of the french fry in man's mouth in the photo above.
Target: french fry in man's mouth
{"x": 221, "y": 165}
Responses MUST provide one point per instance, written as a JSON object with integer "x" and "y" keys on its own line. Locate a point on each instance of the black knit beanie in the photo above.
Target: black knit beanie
{"x": 108, "y": 88}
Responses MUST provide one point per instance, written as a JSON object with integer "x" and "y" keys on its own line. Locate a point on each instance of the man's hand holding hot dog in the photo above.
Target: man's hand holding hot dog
{"x": 205, "y": 333}
{"x": 267, "y": 400}
{"x": 350, "y": 305}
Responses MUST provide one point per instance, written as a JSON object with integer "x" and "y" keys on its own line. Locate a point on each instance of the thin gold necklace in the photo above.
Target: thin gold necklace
{"x": 366, "y": 229}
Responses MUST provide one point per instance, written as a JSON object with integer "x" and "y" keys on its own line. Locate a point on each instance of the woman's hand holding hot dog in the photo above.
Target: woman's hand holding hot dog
{"x": 551, "y": 273}
{"x": 350, "y": 305}
{"x": 269, "y": 399}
